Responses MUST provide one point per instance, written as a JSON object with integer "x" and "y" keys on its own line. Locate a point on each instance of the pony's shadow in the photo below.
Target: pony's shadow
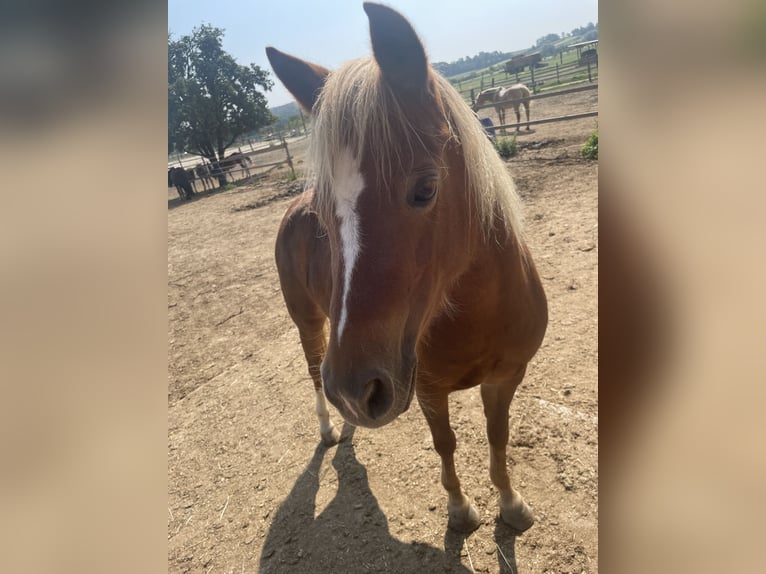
{"x": 175, "y": 202}
{"x": 350, "y": 535}
{"x": 505, "y": 541}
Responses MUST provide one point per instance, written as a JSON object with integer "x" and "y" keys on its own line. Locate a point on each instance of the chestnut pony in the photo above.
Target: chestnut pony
{"x": 410, "y": 243}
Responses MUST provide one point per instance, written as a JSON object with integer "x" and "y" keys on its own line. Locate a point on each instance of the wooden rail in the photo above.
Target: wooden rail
{"x": 495, "y": 129}
{"x": 554, "y": 72}
{"x": 546, "y": 95}
{"x": 240, "y": 170}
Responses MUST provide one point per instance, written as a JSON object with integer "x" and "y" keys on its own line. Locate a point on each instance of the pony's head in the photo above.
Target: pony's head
{"x": 406, "y": 186}
{"x": 485, "y": 97}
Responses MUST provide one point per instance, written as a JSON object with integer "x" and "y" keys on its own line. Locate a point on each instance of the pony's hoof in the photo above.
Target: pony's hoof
{"x": 518, "y": 516}
{"x": 464, "y": 520}
{"x": 331, "y": 436}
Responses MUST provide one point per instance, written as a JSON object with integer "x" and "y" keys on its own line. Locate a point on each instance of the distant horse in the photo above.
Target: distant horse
{"x": 228, "y": 163}
{"x": 502, "y": 98}
{"x": 588, "y": 57}
{"x": 410, "y": 242}
{"x": 205, "y": 176}
{"x": 192, "y": 177}
{"x": 182, "y": 180}
{"x": 517, "y": 64}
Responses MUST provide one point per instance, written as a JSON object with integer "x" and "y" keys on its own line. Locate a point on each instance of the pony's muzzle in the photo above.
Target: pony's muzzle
{"x": 366, "y": 399}
{"x": 378, "y": 397}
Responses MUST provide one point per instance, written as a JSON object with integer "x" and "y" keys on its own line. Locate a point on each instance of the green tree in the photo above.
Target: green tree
{"x": 591, "y": 35}
{"x": 547, "y": 39}
{"x": 212, "y": 100}
{"x": 548, "y": 50}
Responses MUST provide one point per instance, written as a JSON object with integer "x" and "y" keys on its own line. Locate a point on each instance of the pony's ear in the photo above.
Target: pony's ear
{"x": 397, "y": 48}
{"x": 303, "y": 79}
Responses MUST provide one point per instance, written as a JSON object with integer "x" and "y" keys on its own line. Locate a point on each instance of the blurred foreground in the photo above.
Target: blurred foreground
{"x": 83, "y": 287}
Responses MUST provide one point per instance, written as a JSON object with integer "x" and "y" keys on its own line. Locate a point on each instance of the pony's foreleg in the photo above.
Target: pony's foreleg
{"x": 518, "y": 117}
{"x": 314, "y": 346}
{"x": 497, "y": 400}
{"x": 463, "y": 517}
{"x": 501, "y": 116}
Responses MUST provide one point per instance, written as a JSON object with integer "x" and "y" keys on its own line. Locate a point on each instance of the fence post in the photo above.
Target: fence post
{"x": 493, "y": 81}
{"x": 558, "y": 80}
{"x": 532, "y": 74}
{"x": 289, "y": 159}
{"x": 590, "y": 79}
{"x": 473, "y": 98}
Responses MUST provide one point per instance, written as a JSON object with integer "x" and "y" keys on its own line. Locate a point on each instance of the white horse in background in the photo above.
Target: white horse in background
{"x": 507, "y": 97}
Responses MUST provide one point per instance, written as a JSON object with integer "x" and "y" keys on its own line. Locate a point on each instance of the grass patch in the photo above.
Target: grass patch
{"x": 507, "y": 147}
{"x": 590, "y": 149}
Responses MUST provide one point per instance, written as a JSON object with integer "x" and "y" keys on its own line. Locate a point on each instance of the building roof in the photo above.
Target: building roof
{"x": 580, "y": 44}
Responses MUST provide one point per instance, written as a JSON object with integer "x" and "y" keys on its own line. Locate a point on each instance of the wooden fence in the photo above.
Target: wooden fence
{"x": 246, "y": 172}
{"x": 557, "y": 93}
{"x": 242, "y": 172}
{"x": 534, "y": 78}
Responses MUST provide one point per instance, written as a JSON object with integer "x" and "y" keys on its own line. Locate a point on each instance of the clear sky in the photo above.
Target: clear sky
{"x": 329, "y": 32}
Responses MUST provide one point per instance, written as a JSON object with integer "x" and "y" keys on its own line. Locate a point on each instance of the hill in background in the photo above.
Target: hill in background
{"x": 285, "y": 112}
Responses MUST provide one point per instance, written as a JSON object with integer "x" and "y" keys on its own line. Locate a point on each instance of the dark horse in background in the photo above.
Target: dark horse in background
{"x": 205, "y": 175}
{"x": 183, "y": 180}
{"x": 222, "y": 167}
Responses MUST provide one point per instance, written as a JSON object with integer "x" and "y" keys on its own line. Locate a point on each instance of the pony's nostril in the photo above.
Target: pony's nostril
{"x": 378, "y": 398}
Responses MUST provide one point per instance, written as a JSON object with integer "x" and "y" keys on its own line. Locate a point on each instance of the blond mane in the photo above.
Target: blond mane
{"x": 357, "y": 110}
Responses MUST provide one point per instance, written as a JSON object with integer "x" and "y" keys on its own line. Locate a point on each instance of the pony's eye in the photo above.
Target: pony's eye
{"x": 424, "y": 193}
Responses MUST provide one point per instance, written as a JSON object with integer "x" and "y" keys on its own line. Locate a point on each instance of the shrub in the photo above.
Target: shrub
{"x": 590, "y": 149}
{"x": 507, "y": 148}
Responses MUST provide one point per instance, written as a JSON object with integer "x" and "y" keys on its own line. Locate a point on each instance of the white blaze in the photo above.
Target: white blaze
{"x": 348, "y": 186}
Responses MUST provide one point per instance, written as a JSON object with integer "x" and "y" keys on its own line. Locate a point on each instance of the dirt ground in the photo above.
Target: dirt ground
{"x": 250, "y": 487}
